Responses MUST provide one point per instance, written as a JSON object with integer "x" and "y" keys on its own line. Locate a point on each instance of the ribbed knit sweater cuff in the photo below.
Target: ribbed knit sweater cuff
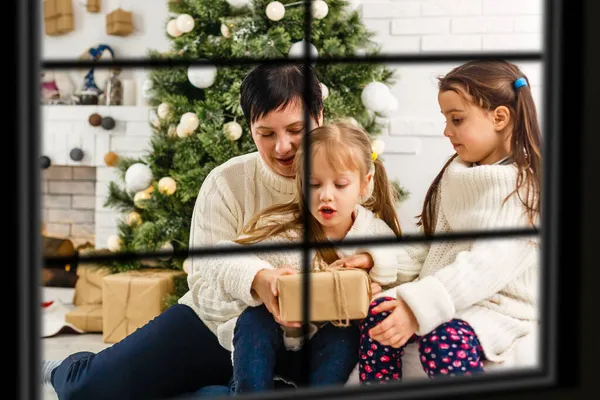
{"x": 429, "y": 301}
{"x": 246, "y": 277}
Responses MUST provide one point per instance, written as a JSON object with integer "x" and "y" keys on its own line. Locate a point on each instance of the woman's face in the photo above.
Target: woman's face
{"x": 278, "y": 136}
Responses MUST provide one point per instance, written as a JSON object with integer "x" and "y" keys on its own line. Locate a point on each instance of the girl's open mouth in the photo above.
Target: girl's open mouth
{"x": 327, "y": 212}
{"x": 286, "y": 161}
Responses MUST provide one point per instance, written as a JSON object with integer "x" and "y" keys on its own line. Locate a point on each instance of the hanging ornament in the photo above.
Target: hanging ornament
{"x": 297, "y": 50}
{"x": 187, "y": 265}
{"x": 166, "y": 247}
{"x": 376, "y": 96}
{"x": 114, "y": 243}
{"x": 108, "y": 123}
{"x": 138, "y": 177}
{"x": 391, "y": 109}
{"x": 225, "y": 31}
{"x": 111, "y": 159}
{"x": 95, "y": 119}
{"x": 45, "y": 161}
{"x": 133, "y": 219}
{"x": 155, "y": 121}
{"x": 185, "y": 23}
{"x": 172, "y": 28}
{"x": 232, "y": 130}
{"x": 182, "y": 131}
{"x": 319, "y": 9}
{"x": 140, "y": 198}
{"x": 202, "y": 76}
{"x": 378, "y": 146}
{"x": 163, "y": 110}
{"x": 172, "y": 131}
{"x": 167, "y": 185}
{"x": 189, "y": 121}
{"x": 324, "y": 91}
{"x": 76, "y": 154}
{"x": 238, "y": 3}
{"x": 275, "y": 11}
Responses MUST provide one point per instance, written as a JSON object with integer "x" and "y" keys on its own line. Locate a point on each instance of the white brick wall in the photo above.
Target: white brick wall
{"x": 415, "y": 147}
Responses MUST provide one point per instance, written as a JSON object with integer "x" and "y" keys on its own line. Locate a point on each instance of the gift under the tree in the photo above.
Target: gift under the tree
{"x": 88, "y": 318}
{"x": 88, "y": 288}
{"x": 337, "y": 295}
{"x": 131, "y": 299}
{"x": 119, "y": 22}
{"x": 58, "y": 17}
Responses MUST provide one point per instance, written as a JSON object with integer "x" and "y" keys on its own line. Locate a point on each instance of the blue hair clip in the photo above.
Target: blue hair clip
{"x": 520, "y": 82}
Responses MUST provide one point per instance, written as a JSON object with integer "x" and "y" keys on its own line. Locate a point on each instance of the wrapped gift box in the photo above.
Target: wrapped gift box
{"x": 88, "y": 318}
{"x": 93, "y": 6}
{"x": 88, "y": 288}
{"x": 119, "y": 22}
{"x": 133, "y": 298}
{"x": 327, "y": 299}
{"x": 58, "y": 17}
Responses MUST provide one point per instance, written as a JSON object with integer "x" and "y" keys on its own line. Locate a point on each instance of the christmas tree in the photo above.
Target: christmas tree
{"x": 200, "y": 124}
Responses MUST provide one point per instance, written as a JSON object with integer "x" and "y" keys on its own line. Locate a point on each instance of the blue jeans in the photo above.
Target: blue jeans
{"x": 174, "y": 354}
{"x": 259, "y": 353}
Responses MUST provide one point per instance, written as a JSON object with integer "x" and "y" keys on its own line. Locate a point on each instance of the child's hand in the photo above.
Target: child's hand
{"x": 375, "y": 289}
{"x": 360, "y": 260}
{"x": 398, "y": 327}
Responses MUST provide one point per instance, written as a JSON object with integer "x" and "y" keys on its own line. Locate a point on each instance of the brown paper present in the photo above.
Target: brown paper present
{"x": 88, "y": 288}
{"x": 93, "y": 6}
{"x": 87, "y": 318}
{"x": 335, "y": 295}
{"x": 119, "y": 22}
{"x": 133, "y": 298}
{"x": 58, "y": 17}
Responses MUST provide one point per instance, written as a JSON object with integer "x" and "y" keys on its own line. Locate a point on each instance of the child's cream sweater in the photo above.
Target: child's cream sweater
{"x": 490, "y": 283}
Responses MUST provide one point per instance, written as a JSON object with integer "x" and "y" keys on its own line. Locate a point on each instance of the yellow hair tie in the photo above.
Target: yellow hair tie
{"x": 373, "y": 156}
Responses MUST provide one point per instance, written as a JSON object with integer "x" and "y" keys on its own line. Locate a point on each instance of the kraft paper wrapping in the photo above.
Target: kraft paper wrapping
{"x": 119, "y": 23}
{"x": 88, "y": 288}
{"x": 58, "y": 16}
{"x": 325, "y": 300}
{"x": 133, "y": 298}
{"x": 88, "y": 318}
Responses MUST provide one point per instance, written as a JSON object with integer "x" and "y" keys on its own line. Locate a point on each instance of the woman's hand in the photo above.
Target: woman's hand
{"x": 360, "y": 260}
{"x": 398, "y": 327}
{"x": 265, "y": 287}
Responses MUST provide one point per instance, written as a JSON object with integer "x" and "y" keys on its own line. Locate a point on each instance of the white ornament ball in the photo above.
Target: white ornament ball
{"x": 232, "y": 130}
{"x": 353, "y": 121}
{"x": 166, "y": 247}
{"x": 202, "y": 76}
{"x": 172, "y": 28}
{"x": 376, "y": 96}
{"x": 319, "y": 9}
{"x": 163, "y": 110}
{"x": 275, "y": 11}
{"x": 189, "y": 121}
{"x": 155, "y": 121}
{"x": 182, "y": 131}
{"x": 138, "y": 177}
{"x": 297, "y": 50}
{"x": 185, "y": 23}
{"x": 187, "y": 265}
{"x": 114, "y": 243}
{"x": 238, "y": 3}
{"x": 133, "y": 219}
{"x": 391, "y": 109}
{"x": 167, "y": 185}
{"x": 352, "y": 5}
{"x": 324, "y": 91}
{"x": 225, "y": 31}
{"x": 378, "y": 146}
{"x": 140, "y": 198}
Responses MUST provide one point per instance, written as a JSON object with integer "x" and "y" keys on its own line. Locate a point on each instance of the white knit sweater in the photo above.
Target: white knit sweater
{"x": 491, "y": 284}
{"x": 231, "y": 194}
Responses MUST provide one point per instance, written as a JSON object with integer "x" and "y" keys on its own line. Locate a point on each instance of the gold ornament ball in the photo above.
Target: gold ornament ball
{"x": 114, "y": 243}
{"x": 167, "y": 185}
{"x": 166, "y": 247}
{"x": 187, "y": 264}
{"x": 150, "y": 188}
{"x": 140, "y": 198}
{"x": 134, "y": 219}
{"x": 111, "y": 159}
{"x": 232, "y": 130}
